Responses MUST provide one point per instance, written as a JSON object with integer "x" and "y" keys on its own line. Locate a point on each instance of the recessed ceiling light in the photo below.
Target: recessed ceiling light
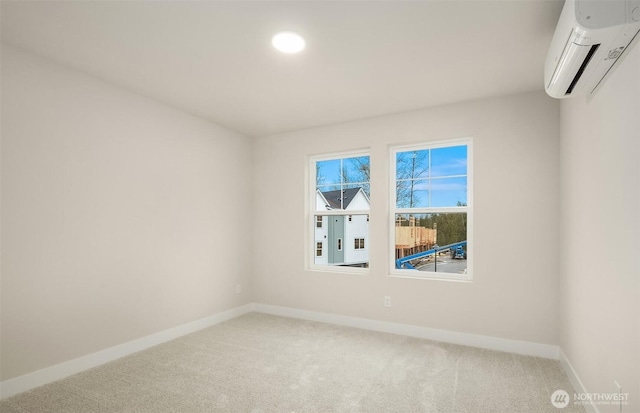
{"x": 288, "y": 42}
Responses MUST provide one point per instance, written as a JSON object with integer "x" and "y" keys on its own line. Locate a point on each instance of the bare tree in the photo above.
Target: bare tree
{"x": 409, "y": 166}
{"x": 363, "y": 173}
{"x": 354, "y": 172}
{"x": 363, "y": 167}
{"x": 319, "y": 176}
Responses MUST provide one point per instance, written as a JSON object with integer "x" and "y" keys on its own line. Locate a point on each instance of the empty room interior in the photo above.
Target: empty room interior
{"x": 320, "y": 206}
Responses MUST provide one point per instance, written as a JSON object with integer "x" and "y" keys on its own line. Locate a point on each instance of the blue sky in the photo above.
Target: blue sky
{"x": 440, "y": 175}
{"x": 330, "y": 170}
{"x": 441, "y": 183}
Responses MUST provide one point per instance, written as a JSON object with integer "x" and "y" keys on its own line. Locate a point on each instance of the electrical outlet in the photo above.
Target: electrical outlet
{"x": 387, "y": 301}
{"x": 238, "y": 288}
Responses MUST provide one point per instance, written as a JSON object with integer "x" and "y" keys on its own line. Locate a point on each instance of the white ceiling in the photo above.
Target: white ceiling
{"x": 363, "y": 59}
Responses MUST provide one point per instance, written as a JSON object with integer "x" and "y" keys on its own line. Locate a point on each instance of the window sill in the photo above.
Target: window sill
{"x": 419, "y": 275}
{"x": 339, "y": 270}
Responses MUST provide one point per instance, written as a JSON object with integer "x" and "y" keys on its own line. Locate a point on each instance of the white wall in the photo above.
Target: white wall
{"x": 121, "y": 217}
{"x": 600, "y": 301}
{"x": 514, "y": 294}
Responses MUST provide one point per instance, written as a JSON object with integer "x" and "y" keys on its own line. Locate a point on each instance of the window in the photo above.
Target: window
{"x": 339, "y": 211}
{"x": 431, "y": 210}
{"x": 358, "y": 243}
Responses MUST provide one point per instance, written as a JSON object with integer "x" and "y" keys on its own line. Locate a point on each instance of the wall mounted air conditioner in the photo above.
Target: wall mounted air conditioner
{"x": 591, "y": 37}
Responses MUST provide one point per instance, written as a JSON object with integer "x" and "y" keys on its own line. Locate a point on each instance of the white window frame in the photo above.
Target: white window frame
{"x": 310, "y": 220}
{"x": 395, "y": 272}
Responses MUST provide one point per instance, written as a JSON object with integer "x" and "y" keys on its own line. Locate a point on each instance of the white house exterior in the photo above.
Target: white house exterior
{"x": 342, "y": 239}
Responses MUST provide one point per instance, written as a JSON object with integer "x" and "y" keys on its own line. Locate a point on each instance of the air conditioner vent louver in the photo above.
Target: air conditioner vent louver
{"x": 584, "y": 64}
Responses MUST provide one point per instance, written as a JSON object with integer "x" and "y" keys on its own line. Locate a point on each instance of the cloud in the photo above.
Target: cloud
{"x": 454, "y": 166}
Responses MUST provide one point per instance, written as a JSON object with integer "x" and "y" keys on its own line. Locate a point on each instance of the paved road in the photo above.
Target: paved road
{"x": 446, "y": 264}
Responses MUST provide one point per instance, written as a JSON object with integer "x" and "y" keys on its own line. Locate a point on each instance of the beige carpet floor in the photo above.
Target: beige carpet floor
{"x": 261, "y": 363}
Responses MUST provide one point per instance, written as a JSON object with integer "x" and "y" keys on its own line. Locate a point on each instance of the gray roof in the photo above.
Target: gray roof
{"x": 333, "y": 197}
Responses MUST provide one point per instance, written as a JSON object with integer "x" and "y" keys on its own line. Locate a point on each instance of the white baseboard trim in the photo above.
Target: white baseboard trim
{"x": 492, "y": 343}
{"x": 576, "y": 382}
{"x": 59, "y": 371}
